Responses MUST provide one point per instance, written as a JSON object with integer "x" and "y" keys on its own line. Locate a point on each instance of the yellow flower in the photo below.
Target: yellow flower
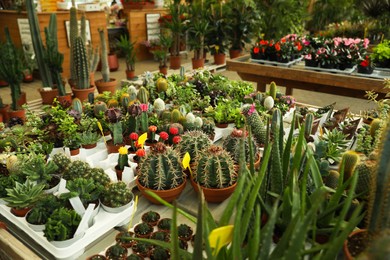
{"x": 122, "y": 150}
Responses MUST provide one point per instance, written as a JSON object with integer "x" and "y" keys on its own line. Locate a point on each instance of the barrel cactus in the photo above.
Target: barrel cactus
{"x": 161, "y": 168}
{"x": 76, "y": 169}
{"x": 214, "y": 168}
{"x": 61, "y": 160}
{"x": 232, "y": 145}
{"x": 193, "y": 142}
{"x": 116, "y": 195}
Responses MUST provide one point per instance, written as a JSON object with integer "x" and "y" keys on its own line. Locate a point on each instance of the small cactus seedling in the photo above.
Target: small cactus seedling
{"x": 116, "y": 195}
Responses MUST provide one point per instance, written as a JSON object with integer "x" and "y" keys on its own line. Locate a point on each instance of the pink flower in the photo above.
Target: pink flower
{"x": 164, "y": 136}
{"x": 251, "y": 110}
{"x": 144, "y": 107}
{"x": 134, "y": 136}
{"x": 176, "y": 139}
{"x": 308, "y": 57}
{"x": 366, "y": 42}
{"x": 173, "y": 130}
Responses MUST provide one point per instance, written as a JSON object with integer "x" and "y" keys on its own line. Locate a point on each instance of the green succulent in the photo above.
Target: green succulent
{"x": 117, "y": 194}
{"x": 24, "y": 195}
{"x": 62, "y": 225}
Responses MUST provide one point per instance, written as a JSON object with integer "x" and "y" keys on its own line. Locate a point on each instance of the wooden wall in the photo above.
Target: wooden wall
{"x": 137, "y": 29}
{"x": 96, "y": 20}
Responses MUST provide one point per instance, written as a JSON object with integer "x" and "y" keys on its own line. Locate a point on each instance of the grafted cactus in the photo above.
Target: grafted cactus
{"x": 161, "y": 168}
{"x": 114, "y": 117}
{"x": 214, "y": 168}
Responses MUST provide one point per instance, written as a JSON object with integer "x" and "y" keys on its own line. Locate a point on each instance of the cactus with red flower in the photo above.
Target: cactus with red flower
{"x": 133, "y": 141}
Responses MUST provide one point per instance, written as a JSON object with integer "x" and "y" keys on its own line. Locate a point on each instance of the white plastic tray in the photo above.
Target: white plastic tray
{"x": 281, "y": 64}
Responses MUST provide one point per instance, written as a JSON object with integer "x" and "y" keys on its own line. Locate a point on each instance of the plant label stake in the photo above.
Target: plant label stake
{"x": 77, "y": 205}
{"x": 133, "y": 213}
{"x": 83, "y": 226}
{"x": 62, "y": 187}
{"x": 127, "y": 175}
{"x": 101, "y": 130}
{"x": 186, "y": 162}
{"x": 142, "y": 139}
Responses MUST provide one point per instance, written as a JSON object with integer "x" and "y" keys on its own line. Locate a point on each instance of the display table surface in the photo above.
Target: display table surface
{"x": 298, "y": 77}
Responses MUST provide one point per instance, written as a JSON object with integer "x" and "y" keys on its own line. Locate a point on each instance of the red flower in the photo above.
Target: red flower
{"x": 365, "y": 63}
{"x": 256, "y": 50}
{"x": 173, "y": 130}
{"x": 133, "y": 136}
{"x": 164, "y": 136}
{"x": 277, "y": 46}
{"x": 263, "y": 42}
{"x": 144, "y": 107}
{"x": 176, "y": 139}
{"x": 140, "y": 153}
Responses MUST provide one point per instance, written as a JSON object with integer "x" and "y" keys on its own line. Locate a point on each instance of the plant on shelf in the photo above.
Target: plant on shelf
{"x": 255, "y": 123}
{"x": 62, "y": 225}
{"x": 127, "y": 48}
{"x": 24, "y": 195}
{"x": 151, "y": 217}
{"x": 142, "y": 248}
{"x": 143, "y": 230}
{"x": 232, "y": 145}
{"x": 159, "y": 253}
{"x": 89, "y": 138}
{"x": 84, "y": 188}
{"x": 381, "y": 54}
{"x": 43, "y": 209}
{"x": 116, "y": 252}
{"x": 81, "y": 63}
{"x": 77, "y": 169}
{"x": 11, "y": 68}
{"x": 116, "y": 195}
{"x": 114, "y": 116}
{"x": 164, "y": 224}
{"x": 184, "y": 232}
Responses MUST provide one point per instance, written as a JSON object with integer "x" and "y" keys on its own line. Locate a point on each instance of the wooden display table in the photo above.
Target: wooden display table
{"x": 298, "y": 77}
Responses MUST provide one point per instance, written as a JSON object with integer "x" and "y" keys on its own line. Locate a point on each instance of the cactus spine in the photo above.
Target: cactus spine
{"x": 117, "y": 194}
{"x": 193, "y": 142}
{"x": 143, "y": 95}
{"x": 104, "y": 56}
{"x": 161, "y": 168}
{"x": 81, "y": 63}
{"x": 255, "y": 123}
{"x": 375, "y": 127}
{"x": 73, "y": 33}
{"x": 379, "y": 197}
{"x": 214, "y": 168}
{"x": 365, "y": 170}
{"x": 38, "y": 44}
{"x": 350, "y": 160}
{"x": 272, "y": 90}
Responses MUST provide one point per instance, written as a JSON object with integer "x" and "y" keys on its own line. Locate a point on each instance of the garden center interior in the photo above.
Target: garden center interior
{"x": 194, "y": 129}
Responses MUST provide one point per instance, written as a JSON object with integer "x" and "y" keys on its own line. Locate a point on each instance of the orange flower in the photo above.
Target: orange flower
{"x": 152, "y": 128}
{"x": 277, "y": 46}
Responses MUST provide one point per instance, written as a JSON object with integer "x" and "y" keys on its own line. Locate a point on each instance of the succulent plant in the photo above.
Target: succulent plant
{"x": 158, "y": 105}
{"x": 184, "y": 231}
{"x": 366, "y": 170}
{"x": 61, "y": 160}
{"x": 114, "y": 117}
{"x": 24, "y": 195}
{"x": 164, "y": 224}
{"x": 104, "y": 56}
{"x": 143, "y": 229}
{"x": 161, "y": 168}
{"x": 116, "y": 252}
{"x": 350, "y": 159}
{"x": 214, "y": 168}
{"x": 43, "y": 209}
{"x": 256, "y": 124}
{"x": 123, "y": 158}
{"x": 99, "y": 177}
{"x": 193, "y": 142}
{"x": 38, "y": 170}
{"x": 116, "y": 195}
{"x": 143, "y": 95}
{"x": 208, "y": 127}
{"x": 159, "y": 253}
{"x": 231, "y": 143}
{"x": 62, "y": 225}
{"x": 160, "y": 235}
{"x": 151, "y": 217}
{"x": 332, "y": 180}
{"x": 79, "y": 53}
{"x": 76, "y": 169}
{"x": 84, "y": 188}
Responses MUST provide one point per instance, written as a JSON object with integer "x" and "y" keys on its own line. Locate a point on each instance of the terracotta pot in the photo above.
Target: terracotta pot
{"x": 20, "y": 212}
{"x": 167, "y": 195}
{"x": 118, "y": 173}
{"x": 82, "y": 94}
{"x": 219, "y": 58}
{"x": 106, "y": 86}
{"x": 130, "y": 74}
{"x": 3, "y": 83}
{"x": 197, "y": 63}
{"x": 72, "y": 83}
{"x": 163, "y": 70}
{"x": 221, "y": 125}
{"x": 97, "y": 256}
{"x": 4, "y": 112}
{"x": 347, "y": 253}
{"x": 48, "y": 95}
{"x": 152, "y": 223}
{"x": 92, "y": 78}
{"x": 1, "y": 118}
{"x": 21, "y": 113}
{"x": 112, "y": 148}
{"x": 89, "y": 146}
{"x": 22, "y": 99}
{"x": 65, "y": 101}
{"x": 28, "y": 77}
{"x": 113, "y": 63}
{"x": 127, "y": 243}
{"x": 234, "y": 53}
{"x": 215, "y": 195}
{"x": 147, "y": 235}
{"x": 74, "y": 152}
{"x": 174, "y": 62}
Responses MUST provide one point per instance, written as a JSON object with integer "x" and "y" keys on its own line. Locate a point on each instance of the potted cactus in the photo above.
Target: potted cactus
{"x": 11, "y": 68}
{"x": 123, "y": 160}
{"x": 116, "y": 252}
{"x": 128, "y": 50}
{"x": 142, "y": 248}
{"x": 151, "y": 217}
{"x": 215, "y": 173}
{"x": 185, "y": 232}
{"x": 164, "y": 224}
{"x": 114, "y": 116}
{"x": 116, "y": 197}
{"x": 193, "y": 142}
{"x": 143, "y": 230}
{"x": 161, "y": 172}
{"x": 125, "y": 238}
{"x": 106, "y": 83}
{"x": 160, "y": 253}
{"x": 161, "y": 236}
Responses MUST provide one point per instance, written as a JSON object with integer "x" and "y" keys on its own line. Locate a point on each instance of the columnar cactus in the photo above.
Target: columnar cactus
{"x": 350, "y": 160}
{"x": 132, "y": 91}
{"x": 175, "y": 115}
{"x": 104, "y": 56}
{"x": 193, "y": 142}
{"x": 214, "y": 168}
{"x": 232, "y": 145}
{"x": 114, "y": 117}
{"x": 144, "y": 118}
{"x": 132, "y": 123}
{"x": 276, "y": 176}
{"x": 308, "y": 125}
{"x": 272, "y": 90}
{"x": 365, "y": 170}
{"x": 77, "y": 105}
{"x": 81, "y": 63}
{"x": 161, "y": 168}
{"x": 208, "y": 127}
{"x": 73, "y": 34}
{"x": 255, "y": 123}
{"x": 143, "y": 95}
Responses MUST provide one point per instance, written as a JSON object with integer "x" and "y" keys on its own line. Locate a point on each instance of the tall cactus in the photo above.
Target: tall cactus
{"x": 272, "y": 90}
{"x": 73, "y": 34}
{"x": 350, "y": 159}
{"x": 276, "y": 171}
{"x": 161, "y": 168}
{"x": 53, "y": 57}
{"x": 143, "y": 95}
{"x": 81, "y": 63}
{"x": 379, "y": 198}
{"x": 104, "y": 56}
{"x": 44, "y": 70}
{"x": 255, "y": 123}
{"x": 214, "y": 168}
